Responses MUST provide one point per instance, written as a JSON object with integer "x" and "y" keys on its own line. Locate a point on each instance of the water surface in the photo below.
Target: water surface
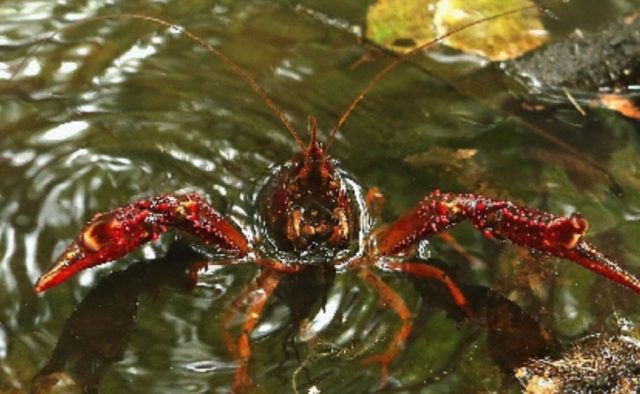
{"x": 115, "y": 111}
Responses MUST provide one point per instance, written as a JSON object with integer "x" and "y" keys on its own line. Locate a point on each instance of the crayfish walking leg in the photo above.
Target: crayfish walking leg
{"x": 395, "y": 302}
{"x": 266, "y": 286}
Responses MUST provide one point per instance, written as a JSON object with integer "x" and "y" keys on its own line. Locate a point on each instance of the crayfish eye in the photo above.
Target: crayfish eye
{"x": 342, "y": 222}
{"x": 97, "y": 234}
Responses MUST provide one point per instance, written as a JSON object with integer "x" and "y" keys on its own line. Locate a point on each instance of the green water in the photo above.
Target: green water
{"x": 115, "y": 111}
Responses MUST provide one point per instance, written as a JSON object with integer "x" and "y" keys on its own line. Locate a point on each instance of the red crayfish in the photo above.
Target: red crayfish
{"x": 313, "y": 216}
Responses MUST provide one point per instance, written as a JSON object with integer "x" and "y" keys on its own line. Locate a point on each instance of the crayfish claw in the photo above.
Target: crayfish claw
{"x": 102, "y": 240}
{"x": 591, "y": 258}
{"x": 112, "y": 235}
{"x": 61, "y": 269}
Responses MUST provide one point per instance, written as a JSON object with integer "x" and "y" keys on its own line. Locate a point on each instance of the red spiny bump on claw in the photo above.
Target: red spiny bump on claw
{"x": 528, "y": 227}
{"x": 435, "y": 213}
{"x": 192, "y": 213}
{"x": 201, "y": 220}
{"x": 400, "y": 235}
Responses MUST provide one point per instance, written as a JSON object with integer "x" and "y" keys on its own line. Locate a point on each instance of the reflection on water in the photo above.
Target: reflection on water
{"x": 115, "y": 111}
{"x": 96, "y": 334}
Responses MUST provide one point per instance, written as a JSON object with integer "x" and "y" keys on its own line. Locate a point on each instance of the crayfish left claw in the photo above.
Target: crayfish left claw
{"x": 109, "y": 236}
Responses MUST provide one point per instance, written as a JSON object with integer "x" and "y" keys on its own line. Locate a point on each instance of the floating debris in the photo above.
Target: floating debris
{"x": 598, "y": 364}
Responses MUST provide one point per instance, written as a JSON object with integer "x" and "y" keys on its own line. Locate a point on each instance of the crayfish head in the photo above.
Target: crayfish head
{"x": 308, "y": 204}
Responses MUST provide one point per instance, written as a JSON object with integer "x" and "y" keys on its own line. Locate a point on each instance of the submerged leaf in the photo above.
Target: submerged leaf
{"x": 400, "y": 25}
{"x": 460, "y": 165}
{"x": 499, "y": 39}
{"x": 624, "y": 105}
{"x": 451, "y": 160}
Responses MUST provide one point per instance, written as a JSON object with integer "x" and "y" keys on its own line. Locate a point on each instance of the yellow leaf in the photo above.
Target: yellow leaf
{"x": 400, "y": 25}
{"x": 501, "y": 39}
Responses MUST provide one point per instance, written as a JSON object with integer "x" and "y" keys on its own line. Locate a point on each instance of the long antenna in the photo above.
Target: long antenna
{"x": 233, "y": 67}
{"x": 376, "y": 78}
